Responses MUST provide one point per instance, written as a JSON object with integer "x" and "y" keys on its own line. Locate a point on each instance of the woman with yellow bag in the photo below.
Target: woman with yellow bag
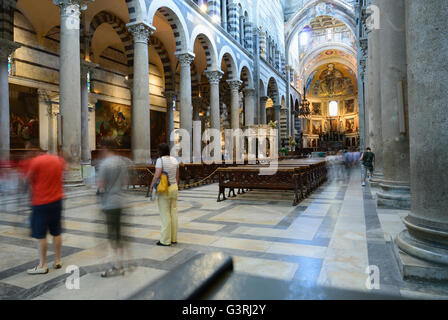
{"x": 165, "y": 182}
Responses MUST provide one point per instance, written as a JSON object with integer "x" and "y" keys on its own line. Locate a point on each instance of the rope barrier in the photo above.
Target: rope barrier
{"x": 184, "y": 186}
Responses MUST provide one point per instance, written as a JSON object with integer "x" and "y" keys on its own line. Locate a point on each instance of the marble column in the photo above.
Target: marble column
{"x": 249, "y": 101}
{"x": 45, "y": 119}
{"x": 141, "y": 133}
{"x": 186, "y": 108}
{"x": 263, "y": 44}
{"x": 224, "y": 14}
{"x": 235, "y": 103}
{"x": 170, "y": 97}
{"x": 214, "y": 77}
{"x": 375, "y": 102}
{"x": 214, "y": 9}
{"x": 70, "y": 86}
{"x": 197, "y": 132}
{"x": 278, "y": 116}
{"x": 263, "y": 101}
{"x": 6, "y": 48}
{"x": 234, "y": 27}
{"x": 395, "y": 185}
{"x": 426, "y": 236}
{"x": 86, "y": 67}
{"x": 248, "y": 36}
{"x": 289, "y": 123}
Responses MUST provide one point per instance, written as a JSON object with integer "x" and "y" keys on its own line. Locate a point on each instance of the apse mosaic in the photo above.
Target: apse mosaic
{"x": 332, "y": 81}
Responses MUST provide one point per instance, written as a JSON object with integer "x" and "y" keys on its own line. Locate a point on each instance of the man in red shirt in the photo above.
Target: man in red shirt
{"x": 45, "y": 174}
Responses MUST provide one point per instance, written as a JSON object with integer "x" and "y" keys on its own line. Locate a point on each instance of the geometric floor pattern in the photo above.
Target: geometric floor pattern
{"x": 329, "y": 240}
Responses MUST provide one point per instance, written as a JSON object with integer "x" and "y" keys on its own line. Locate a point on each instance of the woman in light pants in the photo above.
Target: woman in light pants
{"x": 167, "y": 203}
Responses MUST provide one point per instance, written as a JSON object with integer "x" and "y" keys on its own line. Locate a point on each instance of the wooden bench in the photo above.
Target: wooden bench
{"x": 248, "y": 177}
{"x": 302, "y": 176}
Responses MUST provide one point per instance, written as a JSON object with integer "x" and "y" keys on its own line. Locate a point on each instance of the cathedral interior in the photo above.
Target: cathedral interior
{"x": 326, "y": 78}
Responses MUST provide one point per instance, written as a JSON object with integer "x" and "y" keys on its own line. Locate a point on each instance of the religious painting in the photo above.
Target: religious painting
{"x": 332, "y": 82}
{"x": 317, "y": 127}
{"x": 350, "y": 106}
{"x": 317, "y": 110}
{"x": 113, "y": 125}
{"x": 158, "y": 128}
{"x": 24, "y": 117}
{"x": 350, "y": 126}
{"x": 334, "y": 125}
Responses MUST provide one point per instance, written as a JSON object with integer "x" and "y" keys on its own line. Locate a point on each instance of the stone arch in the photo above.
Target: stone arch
{"x": 166, "y": 63}
{"x": 246, "y": 77}
{"x": 228, "y": 56}
{"x": 272, "y": 91}
{"x": 137, "y": 10}
{"x": 206, "y": 39}
{"x": 244, "y": 70}
{"x": 262, "y": 89}
{"x": 175, "y": 18}
{"x": 340, "y": 11}
{"x": 315, "y": 66}
{"x": 120, "y": 28}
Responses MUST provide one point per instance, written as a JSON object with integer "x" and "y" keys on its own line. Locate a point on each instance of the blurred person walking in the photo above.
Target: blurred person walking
{"x": 112, "y": 177}
{"x": 167, "y": 201}
{"x": 367, "y": 161}
{"x": 45, "y": 175}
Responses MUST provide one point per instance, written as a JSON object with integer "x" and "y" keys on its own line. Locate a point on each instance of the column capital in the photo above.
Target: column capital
{"x": 140, "y": 31}
{"x": 7, "y": 47}
{"x": 185, "y": 58}
{"x": 249, "y": 92}
{"x": 196, "y": 101}
{"x": 234, "y": 84}
{"x": 87, "y": 66}
{"x": 72, "y": 7}
{"x": 214, "y": 76}
{"x": 264, "y": 99}
{"x": 92, "y": 101}
{"x": 169, "y": 95}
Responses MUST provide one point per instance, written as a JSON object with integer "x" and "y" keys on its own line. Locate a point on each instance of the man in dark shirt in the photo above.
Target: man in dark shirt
{"x": 367, "y": 161}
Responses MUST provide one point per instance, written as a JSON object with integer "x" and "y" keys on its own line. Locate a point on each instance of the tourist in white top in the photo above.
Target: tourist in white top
{"x": 167, "y": 203}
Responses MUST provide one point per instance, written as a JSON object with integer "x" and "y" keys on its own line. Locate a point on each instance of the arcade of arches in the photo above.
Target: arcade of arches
{"x": 80, "y": 76}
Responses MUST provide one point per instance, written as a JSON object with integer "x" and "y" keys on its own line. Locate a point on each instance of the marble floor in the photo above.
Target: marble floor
{"x": 329, "y": 239}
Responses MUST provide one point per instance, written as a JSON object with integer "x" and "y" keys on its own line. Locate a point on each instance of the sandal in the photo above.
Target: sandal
{"x": 57, "y": 266}
{"x": 37, "y": 270}
{"x": 112, "y": 272}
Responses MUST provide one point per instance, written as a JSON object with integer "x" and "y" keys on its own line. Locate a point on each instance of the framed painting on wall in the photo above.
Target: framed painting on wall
{"x": 158, "y": 128}
{"x": 350, "y": 106}
{"x": 24, "y": 117}
{"x": 112, "y": 125}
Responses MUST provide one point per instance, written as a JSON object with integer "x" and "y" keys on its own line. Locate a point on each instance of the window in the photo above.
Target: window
{"x": 333, "y": 109}
{"x": 89, "y": 89}
{"x": 9, "y": 65}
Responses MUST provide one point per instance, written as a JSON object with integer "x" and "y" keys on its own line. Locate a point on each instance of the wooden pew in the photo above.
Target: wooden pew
{"x": 304, "y": 178}
{"x": 248, "y": 177}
